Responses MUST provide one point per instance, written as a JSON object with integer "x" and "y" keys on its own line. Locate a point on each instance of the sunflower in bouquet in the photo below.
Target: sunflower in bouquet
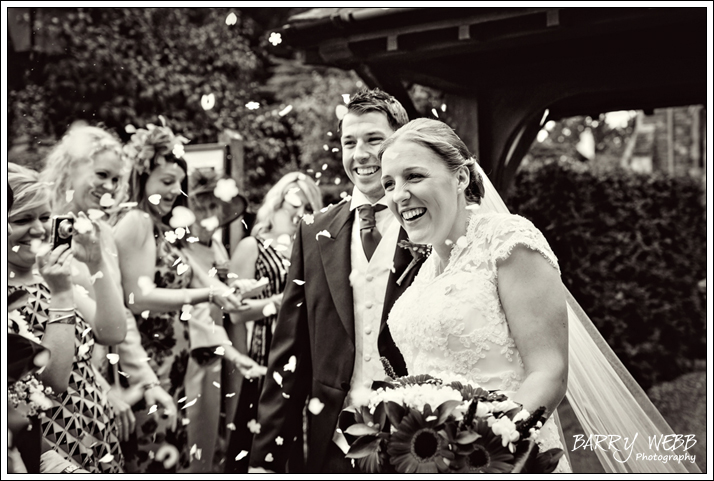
{"x": 425, "y": 425}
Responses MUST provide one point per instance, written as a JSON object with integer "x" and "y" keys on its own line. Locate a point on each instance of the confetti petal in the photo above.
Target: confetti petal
{"x": 269, "y": 458}
{"x": 153, "y": 409}
{"x": 208, "y": 101}
{"x": 226, "y": 190}
{"x": 254, "y": 426}
{"x": 181, "y": 268}
{"x": 287, "y": 109}
{"x": 182, "y": 217}
{"x": 323, "y": 233}
{"x": 279, "y": 441}
{"x": 231, "y": 19}
{"x": 461, "y": 242}
{"x": 291, "y": 365}
{"x": 298, "y": 282}
{"x": 210, "y": 223}
{"x": 278, "y": 378}
{"x": 97, "y": 275}
{"x": 107, "y": 458}
{"x": 146, "y": 285}
{"x": 107, "y": 200}
{"x": 113, "y": 358}
{"x": 220, "y": 351}
{"x": 95, "y": 214}
{"x": 190, "y": 403}
{"x": 178, "y": 149}
{"x": 241, "y": 455}
{"x": 212, "y": 272}
{"x": 145, "y": 314}
{"x": 68, "y": 196}
{"x": 315, "y": 406}
{"x": 15, "y": 248}
{"x": 269, "y": 310}
{"x": 83, "y": 225}
{"x": 155, "y": 199}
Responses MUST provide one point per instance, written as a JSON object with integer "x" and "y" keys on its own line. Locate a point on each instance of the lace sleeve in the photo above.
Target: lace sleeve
{"x": 512, "y": 230}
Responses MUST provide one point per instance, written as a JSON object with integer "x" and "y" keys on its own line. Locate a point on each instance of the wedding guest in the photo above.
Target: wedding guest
{"x": 330, "y": 331}
{"x": 86, "y": 173}
{"x": 265, "y": 254}
{"x": 78, "y": 429}
{"x": 156, "y": 277}
{"x": 215, "y": 362}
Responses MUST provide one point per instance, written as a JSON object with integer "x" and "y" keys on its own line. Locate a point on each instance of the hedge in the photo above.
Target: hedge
{"x": 632, "y": 250}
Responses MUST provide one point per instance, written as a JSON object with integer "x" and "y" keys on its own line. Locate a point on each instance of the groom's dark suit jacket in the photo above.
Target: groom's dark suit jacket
{"x": 316, "y": 325}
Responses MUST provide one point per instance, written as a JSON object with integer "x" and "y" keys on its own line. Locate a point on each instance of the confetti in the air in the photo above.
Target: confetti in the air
{"x": 178, "y": 149}
{"x": 212, "y": 272}
{"x": 210, "y": 223}
{"x": 290, "y": 366}
{"x": 298, "y": 282}
{"x": 231, "y": 426}
{"x": 86, "y": 331}
{"x": 269, "y": 309}
{"x": 231, "y": 19}
{"x": 241, "y": 455}
{"x": 315, "y": 406}
{"x": 252, "y": 105}
{"x": 190, "y": 403}
{"x": 323, "y": 233}
{"x": 461, "y": 242}
{"x": 81, "y": 290}
{"x": 83, "y": 349}
{"x": 181, "y": 268}
{"x": 275, "y": 39}
{"x": 226, "y": 190}
{"x": 113, "y": 358}
{"x": 285, "y": 111}
{"x": 15, "y": 248}
{"x": 155, "y": 199}
{"x": 220, "y": 351}
{"x": 95, "y": 214}
{"x": 208, "y": 101}
{"x": 107, "y": 200}
{"x": 182, "y": 217}
{"x": 346, "y": 98}
{"x": 254, "y": 426}
{"x": 279, "y": 441}
{"x": 107, "y": 458}
{"x": 95, "y": 276}
{"x": 269, "y": 458}
{"x": 146, "y": 285}
{"x": 308, "y": 218}
{"x": 69, "y": 196}
{"x": 278, "y": 378}
{"x": 153, "y": 409}
{"x": 145, "y": 314}
{"x": 82, "y": 225}
{"x": 435, "y": 113}
{"x": 131, "y": 298}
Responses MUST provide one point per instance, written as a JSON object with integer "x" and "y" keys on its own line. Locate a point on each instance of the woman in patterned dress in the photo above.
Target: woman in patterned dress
{"x": 266, "y": 253}
{"x": 86, "y": 173}
{"x": 62, "y": 313}
{"x": 156, "y": 278}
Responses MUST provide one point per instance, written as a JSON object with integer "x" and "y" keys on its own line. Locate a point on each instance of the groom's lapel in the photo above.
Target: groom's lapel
{"x": 335, "y": 255}
{"x": 402, "y": 258}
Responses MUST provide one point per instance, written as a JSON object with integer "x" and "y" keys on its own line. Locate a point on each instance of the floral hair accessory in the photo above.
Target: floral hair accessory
{"x": 152, "y": 142}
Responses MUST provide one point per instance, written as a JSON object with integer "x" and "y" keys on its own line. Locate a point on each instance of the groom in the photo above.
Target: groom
{"x": 331, "y": 330}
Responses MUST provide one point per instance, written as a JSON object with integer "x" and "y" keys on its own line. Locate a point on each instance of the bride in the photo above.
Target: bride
{"x": 488, "y": 305}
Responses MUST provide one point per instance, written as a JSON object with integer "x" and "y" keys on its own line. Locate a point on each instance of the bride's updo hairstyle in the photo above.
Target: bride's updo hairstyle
{"x": 443, "y": 141}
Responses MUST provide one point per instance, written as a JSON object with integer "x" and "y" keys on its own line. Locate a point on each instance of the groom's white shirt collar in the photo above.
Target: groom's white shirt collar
{"x": 358, "y": 199}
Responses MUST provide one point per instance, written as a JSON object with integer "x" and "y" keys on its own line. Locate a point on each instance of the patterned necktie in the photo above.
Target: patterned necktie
{"x": 368, "y": 228}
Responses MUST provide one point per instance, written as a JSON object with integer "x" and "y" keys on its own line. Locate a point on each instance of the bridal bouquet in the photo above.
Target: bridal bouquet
{"x": 422, "y": 424}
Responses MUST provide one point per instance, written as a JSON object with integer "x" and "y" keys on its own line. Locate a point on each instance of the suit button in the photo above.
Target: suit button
{"x": 368, "y": 305}
{"x": 367, "y": 358}
{"x": 369, "y": 278}
{"x": 368, "y": 331}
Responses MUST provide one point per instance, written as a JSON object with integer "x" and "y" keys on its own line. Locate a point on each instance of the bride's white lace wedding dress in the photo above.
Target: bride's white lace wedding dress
{"x": 452, "y": 324}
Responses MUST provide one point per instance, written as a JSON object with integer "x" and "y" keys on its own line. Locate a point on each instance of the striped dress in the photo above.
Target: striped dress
{"x": 273, "y": 265}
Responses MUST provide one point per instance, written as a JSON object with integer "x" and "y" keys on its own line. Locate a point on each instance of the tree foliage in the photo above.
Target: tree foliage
{"x": 122, "y": 66}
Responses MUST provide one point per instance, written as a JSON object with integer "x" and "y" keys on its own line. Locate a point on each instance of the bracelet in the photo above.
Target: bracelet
{"x": 210, "y": 294}
{"x": 151, "y": 385}
{"x": 68, "y": 319}
{"x": 61, "y": 309}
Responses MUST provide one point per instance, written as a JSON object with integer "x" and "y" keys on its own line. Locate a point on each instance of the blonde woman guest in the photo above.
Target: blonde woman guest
{"x": 79, "y": 426}
{"x": 87, "y": 174}
{"x": 266, "y": 253}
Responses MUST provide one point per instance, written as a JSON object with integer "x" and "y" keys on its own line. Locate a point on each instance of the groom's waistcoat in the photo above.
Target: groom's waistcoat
{"x": 316, "y": 326}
